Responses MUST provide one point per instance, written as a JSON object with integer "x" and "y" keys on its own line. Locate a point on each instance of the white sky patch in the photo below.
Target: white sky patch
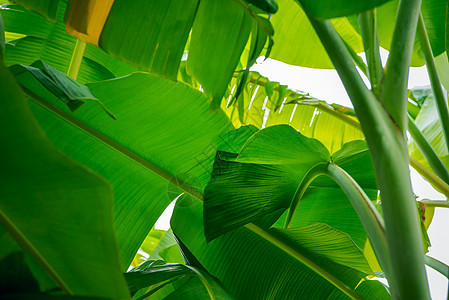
{"x": 163, "y": 223}
{"x": 253, "y": 96}
{"x": 315, "y": 113}
{"x": 293, "y": 113}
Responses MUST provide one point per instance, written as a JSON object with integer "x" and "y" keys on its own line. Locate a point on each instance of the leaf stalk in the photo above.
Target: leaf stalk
{"x": 388, "y": 150}
{"x": 429, "y": 153}
{"x": 394, "y": 89}
{"x": 77, "y": 57}
{"x": 368, "y": 26}
{"x": 437, "y": 89}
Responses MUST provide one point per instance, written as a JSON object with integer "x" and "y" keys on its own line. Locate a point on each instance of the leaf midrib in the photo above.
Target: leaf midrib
{"x": 114, "y": 145}
{"x": 175, "y": 181}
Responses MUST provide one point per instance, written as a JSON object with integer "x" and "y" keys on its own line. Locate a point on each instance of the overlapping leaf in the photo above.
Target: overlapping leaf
{"x": 150, "y": 35}
{"x": 262, "y": 180}
{"x": 46, "y": 8}
{"x": 327, "y": 9}
{"x": 433, "y": 13}
{"x": 147, "y": 153}
{"x": 221, "y": 30}
{"x": 193, "y": 283}
{"x": 428, "y": 122}
{"x": 69, "y": 91}
{"x": 269, "y": 6}
{"x": 40, "y": 39}
{"x": 296, "y": 43}
{"x": 251, "y": 266}
{"x": 57, "y": 209}
{"x": 265, "y": 175}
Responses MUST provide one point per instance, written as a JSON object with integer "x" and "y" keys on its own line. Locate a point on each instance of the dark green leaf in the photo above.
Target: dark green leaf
{"x": 58, "y": 210}
{"x": 153, "y": 273}
{"x": 195, "y": 288}
{"x": 147, "y": 153}
{"x": 219, "y": 35}
{"x": 42, "y": 296}
{"x": 262, "y": 180}
{"x": 66, "y": 89}
{"x": 266, "y": 174}
{"x": 269, "y": 6}
{"x": 200, "y": 285}
{"x": 15, "y": 277}
{"x": 327, "y": 9}
{"x": 150, "y": 35}
{"x": 46, "y": 8}
{"x": 263, "y": 267}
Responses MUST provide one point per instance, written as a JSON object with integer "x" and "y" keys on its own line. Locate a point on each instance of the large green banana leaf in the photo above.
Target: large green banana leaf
{"x": 41, "y": 39}
{"x": 161, "y": 142}
{"x": 265, "y": 175}
{"x": 255, "y": 264}
{"x": 150, "y": 35}
{"x": 327, "y": 9}
{"x": 55, "y": 208}
{"x": 155, "y": 35}
{"x": 296, "y": 43}
{"x": 220, "y": 26}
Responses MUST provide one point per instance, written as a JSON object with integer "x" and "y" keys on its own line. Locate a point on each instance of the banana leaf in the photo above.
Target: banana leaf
{"x": 146, "y": 154}
{"x": 58, "y": 210}
{"x": 255, "y": 264}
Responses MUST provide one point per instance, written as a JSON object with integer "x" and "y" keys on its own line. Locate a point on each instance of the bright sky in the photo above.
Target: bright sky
{"x": 326, "y": 85}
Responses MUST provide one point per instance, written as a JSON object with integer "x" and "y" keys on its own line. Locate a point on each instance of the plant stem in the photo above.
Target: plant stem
{"x": 429, "y": 153}
{"x": 314, "y": 172}
{"x": 437, "y": 90}
{"x": 436, "y": 181}
{"x": 394, "y": 89}
{"x": 77, "y": 57}
{"x": 389, "y": 153}
{"x": 437, "y": 265}
{"x": 368, "y": 26}
{"x": 436, "y": 203}
{"x": 357, "y": 59}
{"x": 204, "y": 281}
{"x": 366, "y": 211}
{"x": 307, "y": 262}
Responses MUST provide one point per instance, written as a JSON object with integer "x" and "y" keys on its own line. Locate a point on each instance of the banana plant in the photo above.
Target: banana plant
{"x": 112, "y": 110}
